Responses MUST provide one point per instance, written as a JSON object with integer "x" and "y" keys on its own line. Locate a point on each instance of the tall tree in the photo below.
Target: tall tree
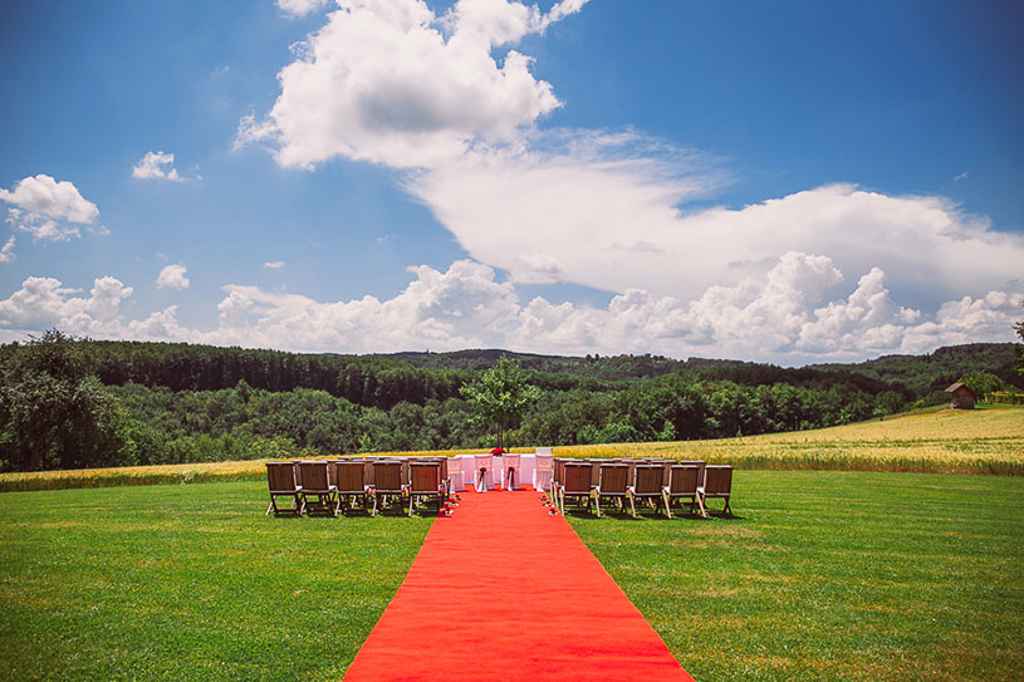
{"x": 54, "y": 413}
{"x": 501, "y": 396}
{"x": 1019, "y": 327}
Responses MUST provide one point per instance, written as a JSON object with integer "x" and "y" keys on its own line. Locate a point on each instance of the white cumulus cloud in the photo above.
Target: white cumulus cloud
{"x": 173, "y": 277}
{"x": 43, "y": 302}
{"x": 274, "y": 264}
{"x": 7, "y": 252}
{"x": 48, "y": 209}
{"x": 393, "y": 83}
{"x": 608, "y": 215}
{"x": 300, "y": 8}
{"x": 785, "y": 315}
{"x": 157, "y": 166}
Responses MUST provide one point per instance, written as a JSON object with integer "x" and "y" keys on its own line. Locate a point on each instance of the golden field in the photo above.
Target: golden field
{"x": 984, "y": 441}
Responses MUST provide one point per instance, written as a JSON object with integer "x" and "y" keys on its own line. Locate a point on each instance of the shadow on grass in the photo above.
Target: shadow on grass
{"x": 648, "y": 515}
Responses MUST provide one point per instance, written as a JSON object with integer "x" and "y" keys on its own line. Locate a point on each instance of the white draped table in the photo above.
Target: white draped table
{"x": 496, "y": 466}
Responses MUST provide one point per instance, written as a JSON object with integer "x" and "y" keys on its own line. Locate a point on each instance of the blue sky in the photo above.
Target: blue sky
{"x": 693, "y": 179}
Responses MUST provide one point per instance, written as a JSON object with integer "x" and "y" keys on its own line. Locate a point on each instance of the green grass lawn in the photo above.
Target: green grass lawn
{"x": 189, "y": 582}
{"x": 832, "y": 575}
{"x": 824, "y": 575}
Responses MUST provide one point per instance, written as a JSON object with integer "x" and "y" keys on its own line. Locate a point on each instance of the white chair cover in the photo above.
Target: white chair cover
{"x": 543, "y": 469}
{"x": 511, "y": 463}
{"x": 482, "y": 477}
{"x": 456, "y": 474}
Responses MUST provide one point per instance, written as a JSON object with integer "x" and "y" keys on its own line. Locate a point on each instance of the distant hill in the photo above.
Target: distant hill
{"x": 383, "y": 380}
{"x": 911, "y": 375}
{"x": 924, "y": 374}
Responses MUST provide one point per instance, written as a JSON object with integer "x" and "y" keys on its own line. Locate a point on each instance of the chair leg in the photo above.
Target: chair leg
{"x": 373, "y": 509}
{"x": 632, "y": 506}
{"x": 703, "y": 507}
{"x": 597, "y": 505}
{"x": 412, "y": 500}
{"x": 667, "y": 501}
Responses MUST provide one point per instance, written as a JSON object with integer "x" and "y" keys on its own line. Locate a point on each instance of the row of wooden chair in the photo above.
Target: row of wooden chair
{"x": 659, "y": 483}
{"x": 329, "y": 486}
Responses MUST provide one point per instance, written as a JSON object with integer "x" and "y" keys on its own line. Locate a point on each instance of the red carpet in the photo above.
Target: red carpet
{"x": 502, "y": 591}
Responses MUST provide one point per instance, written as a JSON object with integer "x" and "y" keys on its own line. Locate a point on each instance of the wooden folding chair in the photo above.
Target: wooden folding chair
{"x": 684, "y": 483}
{"x": 426, "y": 481}
{"x": 717, "y": 483}
{"x": 283, "y": 481}
{"x": 576, "y": 484}
{"x": 353, "y": 481}
{"x": 649, "y": 483}
{"x": 318, "y": 482}
{"x": 388, "y": 481}
{"x": 557, "y": 476}
{"x": 612, "y": 484}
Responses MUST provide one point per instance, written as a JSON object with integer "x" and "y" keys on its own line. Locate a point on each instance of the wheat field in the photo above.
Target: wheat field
{"x": 984, "y": 441}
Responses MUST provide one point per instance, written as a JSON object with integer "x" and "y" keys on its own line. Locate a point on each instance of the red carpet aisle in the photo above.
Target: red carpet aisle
{"x": 502, "y": 591}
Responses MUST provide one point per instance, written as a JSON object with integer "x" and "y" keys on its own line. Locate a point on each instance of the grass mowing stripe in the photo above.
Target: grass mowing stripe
{"x": 833, "y": 576}
{"x": 189, "y": 582}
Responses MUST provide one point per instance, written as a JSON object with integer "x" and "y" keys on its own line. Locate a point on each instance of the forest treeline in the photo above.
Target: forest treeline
{"x": 124, "y": 403}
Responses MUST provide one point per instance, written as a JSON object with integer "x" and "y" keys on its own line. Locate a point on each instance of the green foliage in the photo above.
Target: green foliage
{"x": 54, "y": 413}
{"x": 982, "y": 383}
{"x": 922, "y": 375}
{"x": 181, "y": 403}
{"x": 501, "y": 396}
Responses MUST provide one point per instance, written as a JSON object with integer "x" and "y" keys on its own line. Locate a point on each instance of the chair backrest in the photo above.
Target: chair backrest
{"x": 425, "y": 476}
{"x": 387, "y": 476}
{"x": 316, "y": 475}
{"x": 717, "y": 479}
{"x": 543, "y": 462}
{"x": 614, "y": 478}
{"x": 559, "y": 470}
{"x": 699, "y": 463}
{"x": 576, "y": 477}
{"x": 350, "y": 475}
{"x": 595, "y": 469}
{"x": 649, "y": 479}
{"x": 509, "y": 460}
{"x": 685, "y": 479}
{"x": 282, "y": 477}
{"x": 483, "y": 461}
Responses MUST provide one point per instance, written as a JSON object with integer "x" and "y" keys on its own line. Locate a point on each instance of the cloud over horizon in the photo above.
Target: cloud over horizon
{"x": 783, "y": 317}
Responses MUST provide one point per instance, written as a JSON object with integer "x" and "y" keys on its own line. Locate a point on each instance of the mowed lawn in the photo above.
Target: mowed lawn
{"x": 823, "y": 575}
{"x": 834, "y": 575}
{"x": 189, "y": 582}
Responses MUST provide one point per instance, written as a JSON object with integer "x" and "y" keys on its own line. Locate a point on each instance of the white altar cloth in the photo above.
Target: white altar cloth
{"x": 497, "y": 470}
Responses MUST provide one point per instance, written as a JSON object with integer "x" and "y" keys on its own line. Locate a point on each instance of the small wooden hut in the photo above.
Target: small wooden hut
{"x": 963, "y": 396}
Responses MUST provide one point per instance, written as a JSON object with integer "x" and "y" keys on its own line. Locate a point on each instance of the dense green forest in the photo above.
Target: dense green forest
{"x": 78, "y": 403}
